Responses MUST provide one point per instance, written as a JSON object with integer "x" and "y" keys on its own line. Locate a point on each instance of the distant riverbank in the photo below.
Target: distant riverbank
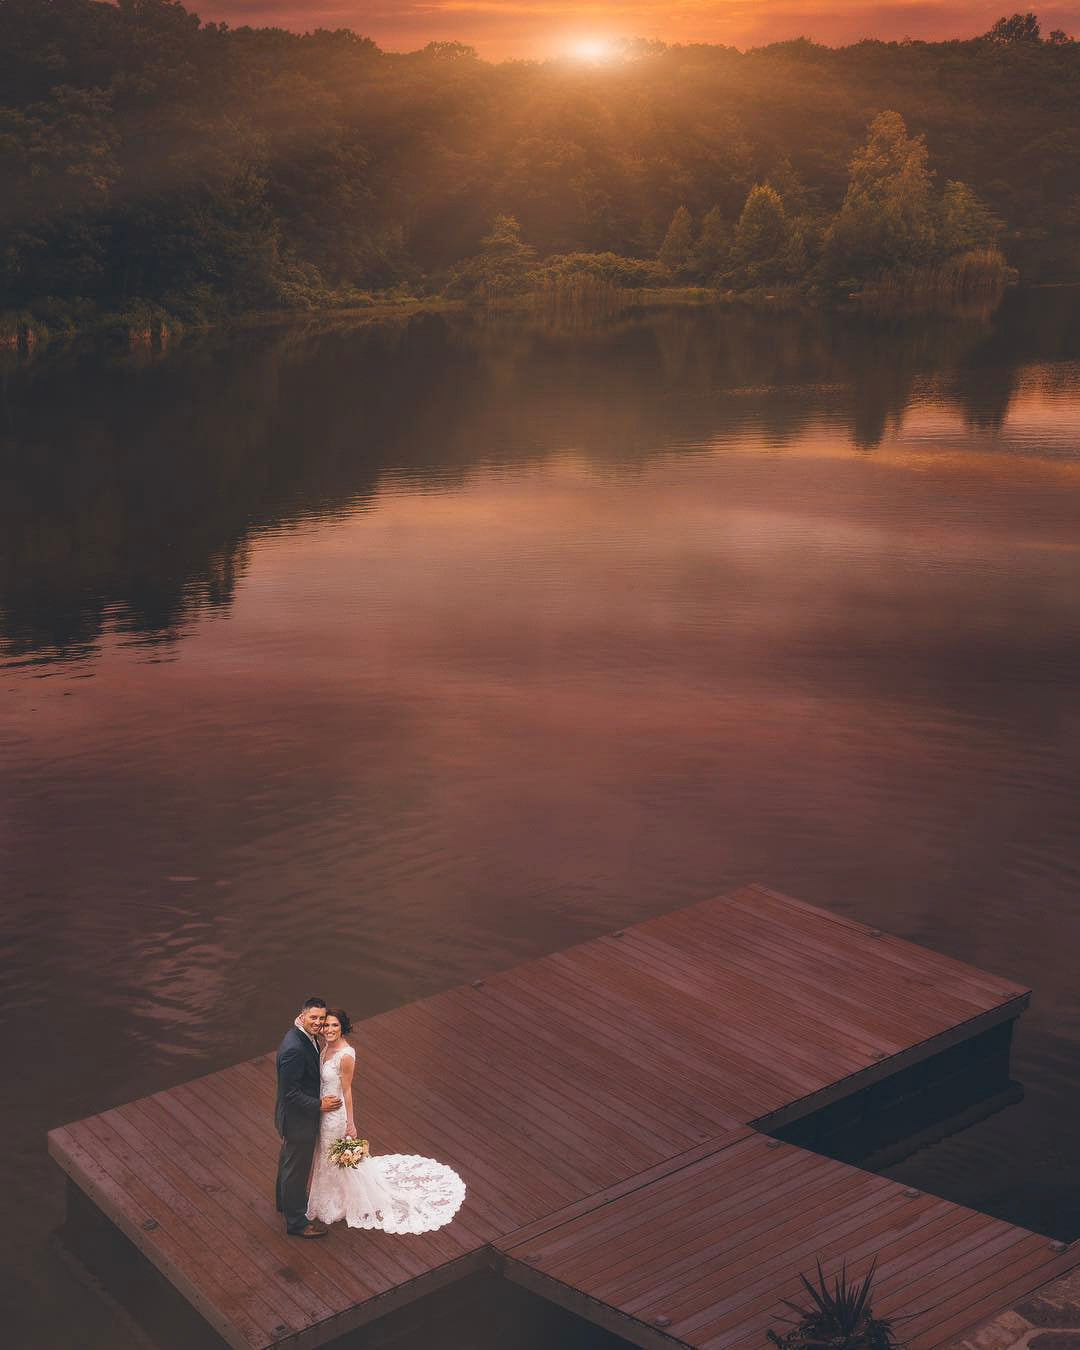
{"x": 25, "y": 331}
{"x": 30, "y": 331}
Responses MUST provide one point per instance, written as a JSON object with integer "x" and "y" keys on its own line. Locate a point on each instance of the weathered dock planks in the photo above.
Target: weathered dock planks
{"x": 706, "y": 1253}
{"x": 587, "y": 1098}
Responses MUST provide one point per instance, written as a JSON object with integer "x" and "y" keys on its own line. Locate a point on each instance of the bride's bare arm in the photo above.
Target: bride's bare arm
{"x": 348, "y": 1063}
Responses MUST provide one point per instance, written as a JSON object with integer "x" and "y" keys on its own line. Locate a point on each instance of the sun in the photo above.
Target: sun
{"x": 593, "y": 50}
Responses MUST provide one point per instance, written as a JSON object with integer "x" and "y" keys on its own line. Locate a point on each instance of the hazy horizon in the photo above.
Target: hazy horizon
{"x": 502, "y": 29}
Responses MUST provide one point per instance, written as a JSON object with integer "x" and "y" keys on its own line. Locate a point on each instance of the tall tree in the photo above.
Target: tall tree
{"x": 1018, "y": 29}
{"x": 502, "y": 265}
{"x": 767, "y": 247}
{"x": 713, "y": 248}
{"x": 886, "y": 219}
{"x": 966, "y": 221}
{"x": 674, "y": 253}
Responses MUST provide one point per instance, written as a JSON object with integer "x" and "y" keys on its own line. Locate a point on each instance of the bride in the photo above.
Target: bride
{"x": 397, "y": 1192}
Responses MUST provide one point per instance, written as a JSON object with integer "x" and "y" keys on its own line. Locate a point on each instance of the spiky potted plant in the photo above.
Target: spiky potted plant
{"x": 837, "y": 1318}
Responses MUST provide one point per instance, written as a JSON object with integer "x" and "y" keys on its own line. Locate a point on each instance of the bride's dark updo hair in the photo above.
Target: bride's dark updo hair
{"x": 343, "y": 1017}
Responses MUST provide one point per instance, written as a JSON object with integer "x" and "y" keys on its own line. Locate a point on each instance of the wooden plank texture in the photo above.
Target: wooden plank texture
{"x": 704, "y": 1254}
{"x": 599, "y": 1103}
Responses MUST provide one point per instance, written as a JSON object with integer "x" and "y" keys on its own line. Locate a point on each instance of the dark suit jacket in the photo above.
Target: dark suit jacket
{"x": 296, "y": 1114}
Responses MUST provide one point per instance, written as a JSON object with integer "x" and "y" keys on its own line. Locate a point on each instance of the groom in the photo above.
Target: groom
{"x": 296, "y": 1115}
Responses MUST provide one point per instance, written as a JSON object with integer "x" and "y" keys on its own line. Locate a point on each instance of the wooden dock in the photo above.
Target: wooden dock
{"x": 610, "y": 1108}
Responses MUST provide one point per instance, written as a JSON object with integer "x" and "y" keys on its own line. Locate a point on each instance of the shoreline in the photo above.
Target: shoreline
{"x": 28, "y": 335}
{"x": 27, "y": 332}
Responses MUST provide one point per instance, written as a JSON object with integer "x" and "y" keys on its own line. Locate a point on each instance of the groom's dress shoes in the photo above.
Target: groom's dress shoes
{"x": 311, "y": 1231}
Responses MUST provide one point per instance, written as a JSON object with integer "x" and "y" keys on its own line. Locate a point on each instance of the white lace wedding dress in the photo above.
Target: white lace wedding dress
{"x": 397, "y": 1192}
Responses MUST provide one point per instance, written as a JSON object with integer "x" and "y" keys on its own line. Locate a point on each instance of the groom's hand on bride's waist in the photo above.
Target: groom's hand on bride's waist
{"x": 329, "y": 1103}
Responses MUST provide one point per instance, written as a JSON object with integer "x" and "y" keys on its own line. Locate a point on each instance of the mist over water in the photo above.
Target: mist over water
{"x": 366, "y": 660}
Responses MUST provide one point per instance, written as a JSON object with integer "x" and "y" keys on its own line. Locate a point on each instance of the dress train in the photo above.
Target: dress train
{"x": 396, "y": 1192}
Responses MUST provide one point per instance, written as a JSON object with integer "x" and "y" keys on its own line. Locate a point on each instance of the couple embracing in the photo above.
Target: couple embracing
{"x": 320, "y": 1180}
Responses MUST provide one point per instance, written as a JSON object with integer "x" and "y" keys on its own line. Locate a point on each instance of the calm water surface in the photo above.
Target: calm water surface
{"x": 368, "y": 661}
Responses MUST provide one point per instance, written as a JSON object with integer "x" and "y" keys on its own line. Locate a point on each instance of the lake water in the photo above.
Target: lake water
{"x": 368, "y": 660}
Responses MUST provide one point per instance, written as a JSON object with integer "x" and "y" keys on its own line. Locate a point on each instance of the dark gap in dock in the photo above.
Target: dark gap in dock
{"x": 885, "y": 1122}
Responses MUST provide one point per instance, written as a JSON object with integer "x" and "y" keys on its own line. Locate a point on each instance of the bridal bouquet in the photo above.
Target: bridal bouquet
{"x": 348, "y": 1152}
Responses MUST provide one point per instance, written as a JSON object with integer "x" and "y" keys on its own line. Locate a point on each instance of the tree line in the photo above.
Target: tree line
{"x": 147, "y": 158}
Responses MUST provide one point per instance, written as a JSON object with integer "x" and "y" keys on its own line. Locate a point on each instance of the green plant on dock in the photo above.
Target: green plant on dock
{"x": 839, "y": 1317}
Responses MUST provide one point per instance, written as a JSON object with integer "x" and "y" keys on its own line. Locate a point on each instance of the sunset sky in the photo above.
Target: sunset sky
{"x": 540, "y": 28}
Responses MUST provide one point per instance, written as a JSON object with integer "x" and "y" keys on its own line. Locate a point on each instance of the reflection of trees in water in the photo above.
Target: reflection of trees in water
{"x": 883, "y": 359}
{"x": 984, "y": 394}
{"x": 131, "y": 488}
{"x": 1032, "y": 326}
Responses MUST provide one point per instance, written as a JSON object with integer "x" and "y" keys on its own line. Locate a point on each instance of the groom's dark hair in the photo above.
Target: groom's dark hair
{"x": 313, "y": 1002}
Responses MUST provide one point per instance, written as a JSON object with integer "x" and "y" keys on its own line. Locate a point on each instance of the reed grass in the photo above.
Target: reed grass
{"x": 969, "y": 283}
{"x": 573, "y": 300}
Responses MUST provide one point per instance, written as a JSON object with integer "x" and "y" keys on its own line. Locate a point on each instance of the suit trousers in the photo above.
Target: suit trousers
{"x": 294, "y": 1169}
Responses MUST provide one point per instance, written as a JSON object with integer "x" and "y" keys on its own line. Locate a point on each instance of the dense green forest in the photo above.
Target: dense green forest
{"x": 148, "y": 159}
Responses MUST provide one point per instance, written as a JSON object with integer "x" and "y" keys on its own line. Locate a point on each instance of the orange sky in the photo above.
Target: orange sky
{"x": 539, "y": 28}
